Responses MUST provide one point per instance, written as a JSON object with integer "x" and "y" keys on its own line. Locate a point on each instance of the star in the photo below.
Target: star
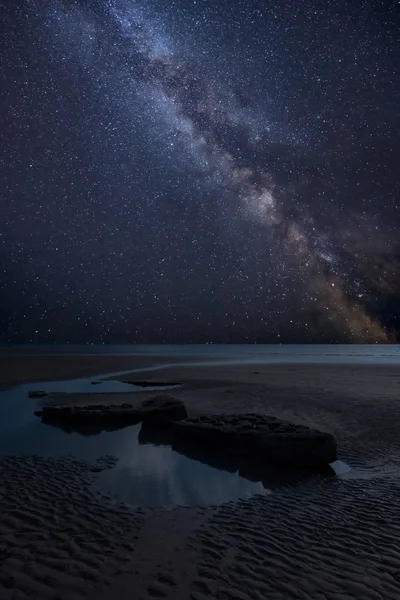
{"x": 201, "y": 171}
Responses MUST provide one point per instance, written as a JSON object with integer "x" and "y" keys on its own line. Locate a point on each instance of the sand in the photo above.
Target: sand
{"x": 323, "y": 539}
{"x": 33, "y": 367}
{"x": 59, "y": 539}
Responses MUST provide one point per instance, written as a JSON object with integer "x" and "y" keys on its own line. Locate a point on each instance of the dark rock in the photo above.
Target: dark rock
{"x": 8, "y": 582}
{"x": 95, "y": 382}
{"x": 162, "y": 408}
{"x": 261, "y": 437}
{"x": 145, "y": 384}
{"x": 246, "y": 436}
{"x": 37, "y": 394}
{"x": 250, "y": 466}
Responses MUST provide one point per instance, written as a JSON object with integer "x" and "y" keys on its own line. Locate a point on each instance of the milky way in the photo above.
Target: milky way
{"x": 200, "y": 171}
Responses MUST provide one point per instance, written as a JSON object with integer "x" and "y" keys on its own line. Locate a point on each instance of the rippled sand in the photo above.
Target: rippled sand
{"x": 59, "y": 538}
{"x": 327, "y": 538}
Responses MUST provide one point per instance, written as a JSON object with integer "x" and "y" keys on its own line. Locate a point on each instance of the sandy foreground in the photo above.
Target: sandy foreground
{"x": 334, "y": 538}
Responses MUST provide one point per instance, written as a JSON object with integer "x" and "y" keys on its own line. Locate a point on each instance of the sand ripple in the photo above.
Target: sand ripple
{"x": 338, "y": 540}
{"x": 324, "y": 539}
{"x": 59, "y": 539}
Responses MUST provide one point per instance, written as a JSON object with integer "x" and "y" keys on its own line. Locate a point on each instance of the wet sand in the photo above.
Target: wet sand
{"x": 331, "y": 538}
{"x": 30, "y": 367}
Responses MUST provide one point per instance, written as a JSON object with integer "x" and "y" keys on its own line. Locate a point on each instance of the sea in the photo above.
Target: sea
{"x": 230, "y": 353}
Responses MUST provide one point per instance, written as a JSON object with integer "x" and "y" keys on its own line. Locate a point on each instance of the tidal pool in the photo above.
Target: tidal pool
{"x": 147, "y": 472}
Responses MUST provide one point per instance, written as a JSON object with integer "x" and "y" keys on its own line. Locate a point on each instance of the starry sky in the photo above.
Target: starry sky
{"x": 193, "y": 170}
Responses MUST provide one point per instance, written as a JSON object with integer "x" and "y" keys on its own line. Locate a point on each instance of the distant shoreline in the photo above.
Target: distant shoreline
{"x": 34, "y": 366}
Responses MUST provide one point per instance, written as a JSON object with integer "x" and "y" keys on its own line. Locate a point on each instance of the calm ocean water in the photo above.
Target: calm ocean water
{"x": 268, "y": 353}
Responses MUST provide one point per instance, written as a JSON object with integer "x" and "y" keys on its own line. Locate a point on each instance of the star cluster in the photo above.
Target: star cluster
{"x": 190, "y": 171}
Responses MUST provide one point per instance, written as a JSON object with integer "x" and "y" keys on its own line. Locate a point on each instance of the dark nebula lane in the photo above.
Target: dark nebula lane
{"x": 199, "y": 171}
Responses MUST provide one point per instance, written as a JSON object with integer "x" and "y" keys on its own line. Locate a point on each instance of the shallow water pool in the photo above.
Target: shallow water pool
{"x": 147, "y": 473}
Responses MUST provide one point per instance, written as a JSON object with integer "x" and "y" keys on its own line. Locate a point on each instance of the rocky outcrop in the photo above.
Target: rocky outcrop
{"x": 260, "y": 437}
{"x": 146, "y": 384}
{"x": 162, "y": 408}
{"x": 270, "y": 473}
{"x": 249, "y": 437}
{"x": 37, "y": 394}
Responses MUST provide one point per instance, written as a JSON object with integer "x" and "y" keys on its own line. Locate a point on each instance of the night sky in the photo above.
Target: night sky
{"x": 199, "y": 170}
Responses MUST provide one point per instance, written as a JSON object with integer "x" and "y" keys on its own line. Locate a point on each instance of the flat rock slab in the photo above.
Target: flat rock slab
{"x": 247, "y": 435}
{"x": 162, "y": 408}
{"x": 146, "y": 384}
{"x": 261, "y": 437}
{"x": 36, "y": 394}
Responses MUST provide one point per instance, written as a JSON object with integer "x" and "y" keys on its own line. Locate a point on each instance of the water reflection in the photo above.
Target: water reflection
{"x": 155, "y": 474}
{"x": 247, "y": 467}
{"x": 146, "y": 473}
{"x": 152, "y": 469}
{"x": 340, "y": 467}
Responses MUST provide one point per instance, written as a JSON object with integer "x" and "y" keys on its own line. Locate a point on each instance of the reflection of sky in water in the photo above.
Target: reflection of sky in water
{"x": 145, "y": 474}
{"x": 340, "y": 467}
{"x": 152, "y": 475}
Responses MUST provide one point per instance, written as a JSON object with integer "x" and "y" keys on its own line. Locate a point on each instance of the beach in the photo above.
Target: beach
{"x": 334, "y": 537}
